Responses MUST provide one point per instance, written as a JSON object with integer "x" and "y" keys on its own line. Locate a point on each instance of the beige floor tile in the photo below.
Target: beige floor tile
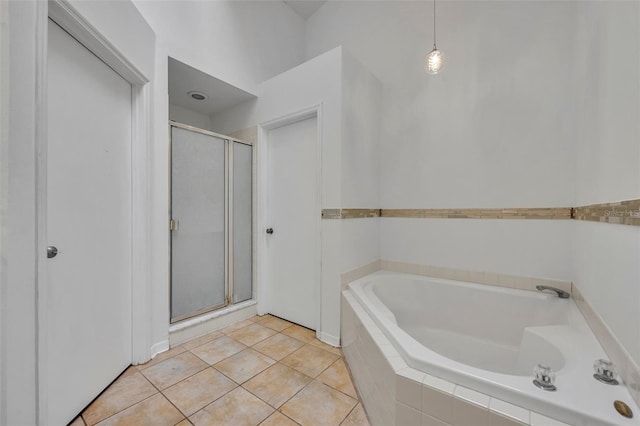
{"x": 156, "y": 411}
{"x": 274, "y": 323}
{"x": 236, "y": 326}
{"x": 277, "y": 384}
{"x": 357, "y": 417}
{"x": 185, "y": 422}
{"x": 278, "y": 346}
{"x": 194, "y": 343}
{"x": 237, "y": 408}
{"x": 218, "y": 350}
{"x": 127, "y": 390}
{"x": 173, "y": 370}
{"x": 337, "y": 376}
{"x": 300, "y": 333}
{"x": 77, "y": 422}
{"x": 162, "y": 356}
{"x": 317, "y": 343}
{"x": 278, "y": 419}
{"x": 252, "y": 334}
{"x": 199, "y": 390}
{"x": 259, "y": 318}
{"x": 244, "y": 365}
{"x": 310, "y": 360}
{"x": 318, "y": 404}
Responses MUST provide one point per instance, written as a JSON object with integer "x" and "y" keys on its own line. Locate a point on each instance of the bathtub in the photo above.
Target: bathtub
{"x": 488, "y": 339}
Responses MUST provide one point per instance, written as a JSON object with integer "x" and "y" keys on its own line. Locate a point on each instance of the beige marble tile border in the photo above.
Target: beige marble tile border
{"x": 359, "y": 213}
{"x": 524, "y": 213}
{"x": 350, "y": 213}
{"x": 621, "y": 213}
{"x": 627, "y": 368}
{"x": 515, "y": 213}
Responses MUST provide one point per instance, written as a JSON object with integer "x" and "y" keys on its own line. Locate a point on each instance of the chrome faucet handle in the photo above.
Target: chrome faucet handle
{"x": 561, "y": 293}
{"x": 544, "y": 377}
{"x": 605, "y": 372}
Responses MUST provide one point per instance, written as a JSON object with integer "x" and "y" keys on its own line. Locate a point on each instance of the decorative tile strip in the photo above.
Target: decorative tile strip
{"x": 360, "y": 213}
{"x": 517, "y": 213}
{"x": 622, "y": 212}
{"x": 331, "y": 214}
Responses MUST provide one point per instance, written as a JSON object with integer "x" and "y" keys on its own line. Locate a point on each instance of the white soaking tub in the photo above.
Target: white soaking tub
{"x": 489, "y": 339}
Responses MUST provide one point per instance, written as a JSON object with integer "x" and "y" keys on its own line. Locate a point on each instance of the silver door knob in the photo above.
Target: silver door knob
{"x": 52, "y": 252}
{"x": 269, "y": 231}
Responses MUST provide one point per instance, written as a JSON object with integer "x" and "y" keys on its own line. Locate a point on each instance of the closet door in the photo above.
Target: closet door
{"x": 198, "y": 238}
{"x": 86, "y": 307}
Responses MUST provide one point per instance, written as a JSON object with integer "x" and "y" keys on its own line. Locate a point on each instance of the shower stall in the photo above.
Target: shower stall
{"x": 211, "y": 221}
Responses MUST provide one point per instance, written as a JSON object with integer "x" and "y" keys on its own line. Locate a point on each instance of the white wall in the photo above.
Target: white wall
{"x": 608, "y": 152}
{"x": 27, "y": 22}
{"x": 4, "y": 138}
{"x": 361, "y": 118}
{"x": 605, "y": 257}
{"x": 537, "y": 106}
{"x": 529, "y": 248}
{"x": 316, "y": 82}
{"x": 187, "y": 116}
{"x": 495, "y": 129}
{"x": 242, "y": 43}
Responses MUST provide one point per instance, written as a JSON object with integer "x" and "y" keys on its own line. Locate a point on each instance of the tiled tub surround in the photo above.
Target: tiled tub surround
{"x": 376, "y": 363}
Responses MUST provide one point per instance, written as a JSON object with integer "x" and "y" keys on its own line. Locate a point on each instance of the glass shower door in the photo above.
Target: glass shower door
{"x": 198, "y": 238}
{"x": 242, "y": 233}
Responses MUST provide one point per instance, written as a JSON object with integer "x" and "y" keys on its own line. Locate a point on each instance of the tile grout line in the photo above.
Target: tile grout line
{"x": 124, "y": 409}
{"x": 111, "y": 384}
{"x": 241, "y": 385}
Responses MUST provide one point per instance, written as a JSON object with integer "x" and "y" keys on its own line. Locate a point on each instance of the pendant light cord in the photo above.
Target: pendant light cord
{"x": 434, "y": 24}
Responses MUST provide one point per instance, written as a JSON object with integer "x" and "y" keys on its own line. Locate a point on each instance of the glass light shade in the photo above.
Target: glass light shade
{"x": 433, "y": 62}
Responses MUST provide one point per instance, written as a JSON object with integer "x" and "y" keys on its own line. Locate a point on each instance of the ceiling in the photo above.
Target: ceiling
{"x": 220, "y": 95}
{"x": 305, "y": 8}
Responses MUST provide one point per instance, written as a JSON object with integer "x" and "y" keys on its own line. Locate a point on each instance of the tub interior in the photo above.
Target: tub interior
{"x": 504, "y": 331}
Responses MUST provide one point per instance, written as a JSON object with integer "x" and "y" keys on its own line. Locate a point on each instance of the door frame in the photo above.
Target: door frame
{"x": 67, "y": 17}
{"x": 228, "y": 213}
{"x": 263, "y": 286}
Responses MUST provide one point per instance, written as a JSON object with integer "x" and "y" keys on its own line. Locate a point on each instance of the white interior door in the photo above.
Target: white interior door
{"x": 87, "y": 309}
{"x": 293, "y": 212}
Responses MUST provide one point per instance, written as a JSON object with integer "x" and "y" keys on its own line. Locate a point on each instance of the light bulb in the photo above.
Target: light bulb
{"x": 433, "y": 61}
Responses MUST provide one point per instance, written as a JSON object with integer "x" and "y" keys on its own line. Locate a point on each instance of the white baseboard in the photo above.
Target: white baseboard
{"x": 329, "y": 339}
{"x": 159, "y": 347}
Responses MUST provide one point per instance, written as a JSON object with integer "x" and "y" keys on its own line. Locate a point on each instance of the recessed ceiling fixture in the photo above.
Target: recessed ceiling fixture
{"x": 433, "y": 61}
{"x": 198, "y": 96}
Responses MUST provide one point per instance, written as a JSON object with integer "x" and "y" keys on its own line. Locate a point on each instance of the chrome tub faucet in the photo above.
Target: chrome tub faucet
{"x": 561, "y": 293}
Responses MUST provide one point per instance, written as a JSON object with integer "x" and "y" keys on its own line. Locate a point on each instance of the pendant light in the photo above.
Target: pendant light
{"x": 433, "y": 61}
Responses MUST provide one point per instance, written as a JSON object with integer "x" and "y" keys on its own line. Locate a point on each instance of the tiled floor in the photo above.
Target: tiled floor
{"x": 264, "y": 371}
